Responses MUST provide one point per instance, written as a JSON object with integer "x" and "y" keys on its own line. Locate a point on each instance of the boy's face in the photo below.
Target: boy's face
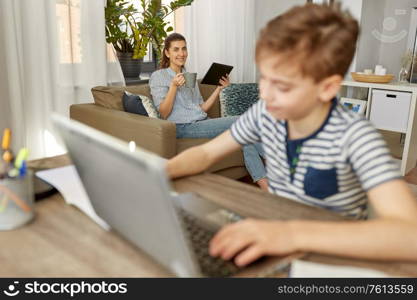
{"x": 288, "y": 94}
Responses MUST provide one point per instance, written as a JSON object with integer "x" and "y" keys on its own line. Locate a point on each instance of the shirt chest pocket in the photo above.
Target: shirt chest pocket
{"x": 319, "y": 183}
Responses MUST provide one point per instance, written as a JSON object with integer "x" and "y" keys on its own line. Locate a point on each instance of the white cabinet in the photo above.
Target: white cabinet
{"x": 391, "y": 107}
{"x": 390, "y": 110}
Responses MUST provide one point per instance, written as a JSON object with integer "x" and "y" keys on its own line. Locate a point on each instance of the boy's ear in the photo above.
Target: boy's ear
{"x": 329, "y": 87}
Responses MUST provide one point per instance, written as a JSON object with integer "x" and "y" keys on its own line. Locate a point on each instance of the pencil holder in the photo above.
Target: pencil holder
{"x": 16, "y": 201}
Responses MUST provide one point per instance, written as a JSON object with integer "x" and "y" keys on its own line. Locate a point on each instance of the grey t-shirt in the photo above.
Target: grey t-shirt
{"x": 187, "y": 102}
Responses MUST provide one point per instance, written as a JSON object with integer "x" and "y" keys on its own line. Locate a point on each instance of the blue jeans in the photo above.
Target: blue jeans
{"x": 211, "y": 128}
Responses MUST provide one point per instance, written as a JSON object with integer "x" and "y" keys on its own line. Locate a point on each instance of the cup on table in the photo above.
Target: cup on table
{"x": 190, "y": 79}
{"x": 16, "y": 201}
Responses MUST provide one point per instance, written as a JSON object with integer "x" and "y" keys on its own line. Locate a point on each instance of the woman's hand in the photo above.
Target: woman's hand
{"x": 178, "y": 80}
{"x": 224, "y": 82}
{"x": 248, "y": 240}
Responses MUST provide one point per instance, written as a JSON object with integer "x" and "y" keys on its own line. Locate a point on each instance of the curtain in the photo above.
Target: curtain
{"x": 53, "y": 52}
{"x": 221, "y": 31}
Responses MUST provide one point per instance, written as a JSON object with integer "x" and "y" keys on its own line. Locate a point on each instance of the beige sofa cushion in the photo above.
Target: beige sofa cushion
{"x": 111, "y": 96}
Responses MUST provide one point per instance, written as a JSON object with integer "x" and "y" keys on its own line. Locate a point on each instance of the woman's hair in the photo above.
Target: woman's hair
{"x": 168, "y": 40}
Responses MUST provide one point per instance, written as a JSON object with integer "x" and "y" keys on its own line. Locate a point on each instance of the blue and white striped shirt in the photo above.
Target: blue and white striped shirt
{"x": 186, "y": 108}
{"x": 336, "y": 166}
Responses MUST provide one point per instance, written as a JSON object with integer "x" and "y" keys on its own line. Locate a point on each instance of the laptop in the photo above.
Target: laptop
{"x": 129, "y": 189}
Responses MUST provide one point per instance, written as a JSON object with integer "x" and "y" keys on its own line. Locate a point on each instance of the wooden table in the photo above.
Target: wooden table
{"x": 251, "y": 201}
{"x": 63, "y": 242}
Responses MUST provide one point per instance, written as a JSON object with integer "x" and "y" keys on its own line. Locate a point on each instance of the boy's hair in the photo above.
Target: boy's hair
{"x": 320, "y": 39}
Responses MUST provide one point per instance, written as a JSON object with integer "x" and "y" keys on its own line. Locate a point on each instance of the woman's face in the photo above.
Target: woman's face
{"x": 177, "y": 53}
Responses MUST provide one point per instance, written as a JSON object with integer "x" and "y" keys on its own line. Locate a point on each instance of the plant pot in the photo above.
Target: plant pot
{"x": 130, "y": 67}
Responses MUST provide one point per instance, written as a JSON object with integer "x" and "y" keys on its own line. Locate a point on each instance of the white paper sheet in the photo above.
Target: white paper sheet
{"x": 300, "y": 268}
{"x": 67, "y": 181}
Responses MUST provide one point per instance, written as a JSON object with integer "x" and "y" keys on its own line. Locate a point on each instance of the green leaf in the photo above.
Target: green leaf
{"x": 130, "y": 30}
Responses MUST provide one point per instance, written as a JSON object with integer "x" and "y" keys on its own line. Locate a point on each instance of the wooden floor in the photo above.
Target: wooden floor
{"x": 411, "y": 177}
{"x": 396, "y": 146}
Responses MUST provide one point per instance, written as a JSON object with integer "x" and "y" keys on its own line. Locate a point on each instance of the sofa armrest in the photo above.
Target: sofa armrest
{"x": 156, "y": 135}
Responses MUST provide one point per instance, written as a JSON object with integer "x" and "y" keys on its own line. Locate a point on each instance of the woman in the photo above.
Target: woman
{"x": 185, "y": 106}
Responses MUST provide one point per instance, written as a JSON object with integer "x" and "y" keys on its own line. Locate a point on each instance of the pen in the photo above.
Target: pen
{"x": 21, "y": 172}
{"x": 5, "y": 144}
{"x": 22, "y": 204}
{"x": 7, "y": 153}
{"x": 2, "y": 169}
{"x": 7, "y": 156}
{"x": 13, "y": 173}
{"x": 7, "y": 135}
{"x": 3, "y": 204}
{"x": 19, "y": 202}
{"x": 22, "y": 169}
{"x": 21, "y": 156}
{"x": 8, "y": 165}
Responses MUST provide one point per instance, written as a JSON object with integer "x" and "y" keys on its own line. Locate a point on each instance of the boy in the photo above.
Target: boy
{"x": 316, "y": 152}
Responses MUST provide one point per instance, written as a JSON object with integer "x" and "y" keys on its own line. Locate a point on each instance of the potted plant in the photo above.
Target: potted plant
{"x": 131, "y": 31}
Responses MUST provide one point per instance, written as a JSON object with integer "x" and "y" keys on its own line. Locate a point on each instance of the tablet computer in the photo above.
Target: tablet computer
{"x": 215, "y": 73}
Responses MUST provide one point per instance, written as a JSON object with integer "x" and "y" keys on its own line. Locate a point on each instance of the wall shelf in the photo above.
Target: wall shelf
{"x": 409, "y": 155}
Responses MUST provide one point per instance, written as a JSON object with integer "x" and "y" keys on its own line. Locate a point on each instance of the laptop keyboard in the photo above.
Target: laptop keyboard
{"x": 200, "y": 237}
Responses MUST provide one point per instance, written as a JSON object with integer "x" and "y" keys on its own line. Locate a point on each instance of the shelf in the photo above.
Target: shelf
{"x": 395, "y": 86}
{"x": 143, "y": 78}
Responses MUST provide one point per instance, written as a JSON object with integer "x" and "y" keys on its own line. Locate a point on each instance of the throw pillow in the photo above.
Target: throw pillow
{"x": 147, "y": 104}
{"x": 238, "y": 98}
{"x": 133, "y": 104}
{"x": 111, "y": 96}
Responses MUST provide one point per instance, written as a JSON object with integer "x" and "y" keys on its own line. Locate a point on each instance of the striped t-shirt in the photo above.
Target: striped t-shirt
{"x": 336, "y": 165}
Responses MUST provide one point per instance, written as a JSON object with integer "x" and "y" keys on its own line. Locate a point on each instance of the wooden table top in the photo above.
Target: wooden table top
{"x": 251, "y": 201}
{"x": 63, "y": 242}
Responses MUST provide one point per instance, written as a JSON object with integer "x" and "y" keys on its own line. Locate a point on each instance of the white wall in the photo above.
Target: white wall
{"x": 371, "y": 15}
{"x": 355, "y": 8}
{"x": 384, "y": 32}
{"x": 266, "y": 10}
{"x": 368, "y": 50}
{"x": 392, "y": 50}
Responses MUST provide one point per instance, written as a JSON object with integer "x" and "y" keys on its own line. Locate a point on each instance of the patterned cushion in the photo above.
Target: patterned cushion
{"x": 147, "y": 104}
{"x": 237, "y": 98}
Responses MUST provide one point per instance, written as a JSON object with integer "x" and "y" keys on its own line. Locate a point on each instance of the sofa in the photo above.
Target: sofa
{"x": 156, "y": 135}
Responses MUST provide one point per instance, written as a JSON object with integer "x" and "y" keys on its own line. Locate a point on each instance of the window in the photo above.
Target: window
{"x": 69, "y": 31}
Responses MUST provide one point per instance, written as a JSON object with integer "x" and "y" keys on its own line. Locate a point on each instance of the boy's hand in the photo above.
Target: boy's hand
{"x": 251, "y": 239}
{"x": 224, "y": 82}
